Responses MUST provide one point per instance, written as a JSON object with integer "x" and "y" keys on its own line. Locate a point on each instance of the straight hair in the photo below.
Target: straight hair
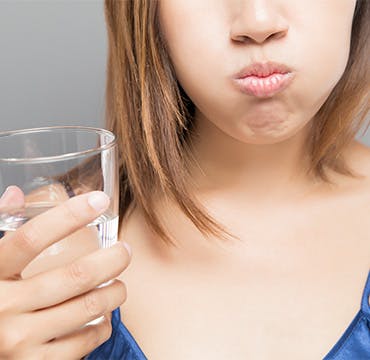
{"x": 153, "y": 117}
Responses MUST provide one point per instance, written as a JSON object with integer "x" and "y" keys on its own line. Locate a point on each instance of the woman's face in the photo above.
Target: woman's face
{"x": 210, "y": 41}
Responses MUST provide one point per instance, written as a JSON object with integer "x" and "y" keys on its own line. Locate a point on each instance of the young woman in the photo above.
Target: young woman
{"x": 244, "y": 193}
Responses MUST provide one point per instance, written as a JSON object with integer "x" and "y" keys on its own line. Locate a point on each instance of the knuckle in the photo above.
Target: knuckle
{"x": 93, "y": 338}
{"x": 106, "y": 330}
{"x": 122, "y": 288}
{"x": 79, "y": 275}
{"x": 94, "y": 304}
{"x": 10, "y": 341}
{"x": 7, "y": 303}
{"x": 123, "y": 255}
{"x": 123, "y": 259}
{"x": 71, "y": 214}
{"x": 27, "y": 237}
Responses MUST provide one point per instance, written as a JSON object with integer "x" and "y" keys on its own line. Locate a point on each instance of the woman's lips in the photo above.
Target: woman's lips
{"x": 264, "y": 87}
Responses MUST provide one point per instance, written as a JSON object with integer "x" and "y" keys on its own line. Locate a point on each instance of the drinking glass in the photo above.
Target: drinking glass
{"x": 49, "y": 165}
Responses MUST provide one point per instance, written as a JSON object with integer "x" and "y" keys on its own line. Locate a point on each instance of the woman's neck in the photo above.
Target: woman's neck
{"x": 252, "y": 171}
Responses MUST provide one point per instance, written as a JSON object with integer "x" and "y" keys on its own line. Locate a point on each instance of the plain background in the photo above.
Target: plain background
{"x": 52, "y": 63}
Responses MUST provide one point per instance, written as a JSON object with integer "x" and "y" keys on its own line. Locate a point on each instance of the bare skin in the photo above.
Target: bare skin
{"x": 289, "y": 295}
{"x": 288, "y": 290}
{"x": 44, "y": 305}
{"x": 292, "y": 285}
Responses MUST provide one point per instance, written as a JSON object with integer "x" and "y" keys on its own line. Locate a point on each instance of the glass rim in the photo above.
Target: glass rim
{"x": 112, "y": 142}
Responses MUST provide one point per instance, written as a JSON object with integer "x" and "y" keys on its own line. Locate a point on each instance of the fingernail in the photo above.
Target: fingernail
{"x": 6, "y": 192}
{"x": 128, "y": 247}
{"x": 98, "y": 200}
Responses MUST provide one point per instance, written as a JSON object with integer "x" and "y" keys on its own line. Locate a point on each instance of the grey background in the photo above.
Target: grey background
{"x": 52, "y": 63}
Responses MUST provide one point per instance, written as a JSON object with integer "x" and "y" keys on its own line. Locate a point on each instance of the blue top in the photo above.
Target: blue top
{"x": 354, "y": 343}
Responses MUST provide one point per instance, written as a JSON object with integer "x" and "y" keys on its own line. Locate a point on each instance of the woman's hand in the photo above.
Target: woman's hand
{"x": 43, "y": 316}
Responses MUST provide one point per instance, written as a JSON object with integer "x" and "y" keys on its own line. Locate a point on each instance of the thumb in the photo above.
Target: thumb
{"x": 12, "y": 198}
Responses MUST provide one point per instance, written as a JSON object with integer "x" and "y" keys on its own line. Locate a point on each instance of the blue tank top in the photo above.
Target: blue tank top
{"x": 354, "y": 344}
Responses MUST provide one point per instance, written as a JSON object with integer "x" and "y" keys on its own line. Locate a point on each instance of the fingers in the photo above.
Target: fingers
{"x": 76, "y": 278}
{"x": 40, "y": 232}
{"x": 75, "y": 313}
{"x": 79, "y": 343}
{"x": 16, "y": 344}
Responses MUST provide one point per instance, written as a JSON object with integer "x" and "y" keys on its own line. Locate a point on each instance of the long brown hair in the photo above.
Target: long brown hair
{"x": 153, "y": 117}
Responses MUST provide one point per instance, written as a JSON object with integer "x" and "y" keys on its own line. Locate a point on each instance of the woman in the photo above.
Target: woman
{"x": 242, "y": 187}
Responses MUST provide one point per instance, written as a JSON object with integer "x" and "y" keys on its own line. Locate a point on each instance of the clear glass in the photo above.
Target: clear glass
{"x": 50, "y": 165}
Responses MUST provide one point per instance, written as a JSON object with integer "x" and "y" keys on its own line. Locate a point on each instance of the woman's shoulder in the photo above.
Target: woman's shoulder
{"x": 356, "y": 196}
{"x": 359, "y": 157}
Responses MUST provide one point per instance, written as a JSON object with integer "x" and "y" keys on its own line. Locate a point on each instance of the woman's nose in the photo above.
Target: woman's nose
{"x": 258, "y": 20}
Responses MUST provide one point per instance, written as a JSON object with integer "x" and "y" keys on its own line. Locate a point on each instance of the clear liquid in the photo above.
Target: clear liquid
{"x": 106, "y": 224}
